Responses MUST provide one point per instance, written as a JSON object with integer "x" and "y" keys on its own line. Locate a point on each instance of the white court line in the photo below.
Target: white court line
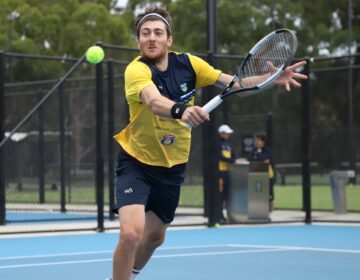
{"x": 56, "y": 255}
{"x": 193, "y": 247}
{"x": 259, "y": 248}
{"x": 220, "y": 253}
{"x": 106, "y": 252}
{"x": 154, "y": 257}
{"x": 297, "y": 248}
{"x": 54, "y": 263}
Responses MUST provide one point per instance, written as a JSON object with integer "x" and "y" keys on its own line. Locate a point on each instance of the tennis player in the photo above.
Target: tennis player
{"x": 160, "y": 86}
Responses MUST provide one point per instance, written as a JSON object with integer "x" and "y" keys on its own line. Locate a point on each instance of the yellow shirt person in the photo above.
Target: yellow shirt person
{"x": 152, "y": 139}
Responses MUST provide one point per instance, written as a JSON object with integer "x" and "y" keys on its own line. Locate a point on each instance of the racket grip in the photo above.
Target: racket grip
{"x": 208, "y": 107}
{"x": 212, "y": 104}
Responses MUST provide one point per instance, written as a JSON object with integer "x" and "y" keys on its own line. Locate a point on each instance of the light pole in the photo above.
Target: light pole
{"x": 11, "y": 18}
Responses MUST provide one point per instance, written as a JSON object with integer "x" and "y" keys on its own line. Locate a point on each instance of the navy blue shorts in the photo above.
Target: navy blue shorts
{"x": 156, "y": 187}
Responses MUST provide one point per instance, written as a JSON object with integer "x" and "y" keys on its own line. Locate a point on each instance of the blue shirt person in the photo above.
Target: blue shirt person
{"x": 263, "y": 153}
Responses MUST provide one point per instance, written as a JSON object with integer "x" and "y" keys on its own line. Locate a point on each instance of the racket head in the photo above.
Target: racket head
{"x": 267, "y": 60}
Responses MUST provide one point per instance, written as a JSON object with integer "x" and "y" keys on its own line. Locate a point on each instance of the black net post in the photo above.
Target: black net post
{"x": 99, "y": 152}
{"x": 41, "y": 158}
{"x": 62, "y": 148}
{"x": 2, "y": 131}
{"x": 111, "y": 110}
{"x": 305, "y": 143}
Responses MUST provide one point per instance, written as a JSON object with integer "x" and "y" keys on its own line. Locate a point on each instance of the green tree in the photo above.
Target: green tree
{"x": 66, "y": 27}
{"x": 322, "y": 30}
{"x": 241, "y": 23}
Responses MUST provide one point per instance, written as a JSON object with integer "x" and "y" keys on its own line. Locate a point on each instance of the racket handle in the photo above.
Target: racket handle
{"x": 212, "y": 104}
{"x": 208, "y": 107}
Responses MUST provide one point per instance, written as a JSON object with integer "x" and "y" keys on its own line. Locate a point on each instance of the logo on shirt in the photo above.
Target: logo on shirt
{"x": 129, "y": 190}
{"x": 168, "y": 139}
{"x": 184, "y": 87}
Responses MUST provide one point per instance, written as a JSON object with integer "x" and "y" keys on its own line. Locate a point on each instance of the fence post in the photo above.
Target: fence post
{"x": 305, "y": 143}
{"x": 269, "y": 129}
{"x": 62, "y": 149}
{"x": 98, "y": 144}
{"x": 41, "y": 152}
{"x": 225, "y": 111}
{"x": 2, "y": 131}
{"x": 111, "y": 162}
{"x": 210, "y": 162}
{"x": 351, "y": 136}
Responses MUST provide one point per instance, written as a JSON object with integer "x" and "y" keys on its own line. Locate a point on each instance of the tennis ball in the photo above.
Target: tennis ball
{"x": 217, "y": 225}
{"x": 95, "y": 54}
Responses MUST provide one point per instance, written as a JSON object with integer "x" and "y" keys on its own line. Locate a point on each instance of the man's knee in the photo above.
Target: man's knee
{"x": 155, "y": 240}
{"x": 132, "y": 222}
{"x": 130, "y": 238}
{"x": 158, "y": 241}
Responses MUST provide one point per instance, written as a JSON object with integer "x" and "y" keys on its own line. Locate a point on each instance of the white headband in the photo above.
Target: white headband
{"x": 155, "y": 15}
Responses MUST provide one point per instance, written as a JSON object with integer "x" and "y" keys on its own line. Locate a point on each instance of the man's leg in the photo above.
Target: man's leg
{"x": 226, "y": 194}
{"x": 271, "y": 198}
{"x": 132, "y": 224}
{"x": 153, "y": 237}
{"x": 221, "y": 196}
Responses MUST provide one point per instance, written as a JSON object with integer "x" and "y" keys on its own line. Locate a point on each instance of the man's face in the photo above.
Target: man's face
{"x": 153, "y": 41}
{"x": 259, "y": 143}
{"x": 225, "y": 136}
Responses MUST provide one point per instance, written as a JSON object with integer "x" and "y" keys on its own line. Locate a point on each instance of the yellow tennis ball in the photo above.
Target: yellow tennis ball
{"x": 95, "y": 54}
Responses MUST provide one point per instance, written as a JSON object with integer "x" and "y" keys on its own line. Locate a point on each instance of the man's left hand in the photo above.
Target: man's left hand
{"x": 289, "y": 76}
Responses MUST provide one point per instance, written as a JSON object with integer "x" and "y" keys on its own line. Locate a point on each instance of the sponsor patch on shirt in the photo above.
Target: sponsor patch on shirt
{"x": 168, "y": 139}
{"x": 184, "y": 87}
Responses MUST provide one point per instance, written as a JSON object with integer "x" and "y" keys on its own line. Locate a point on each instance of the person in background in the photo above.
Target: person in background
{"x": 226, "y": 157}
{"x": 262, "y": 153}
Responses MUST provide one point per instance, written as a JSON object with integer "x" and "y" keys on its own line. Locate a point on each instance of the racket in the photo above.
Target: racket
{"x": 265, "y": 62}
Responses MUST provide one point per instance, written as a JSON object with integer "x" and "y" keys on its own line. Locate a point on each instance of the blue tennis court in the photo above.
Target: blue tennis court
{"x": 262, "y": 252}
{"x": 31, "y": 217}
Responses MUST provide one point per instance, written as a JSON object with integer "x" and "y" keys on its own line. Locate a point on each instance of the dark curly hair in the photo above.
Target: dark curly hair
{"x": 157, "y": 10}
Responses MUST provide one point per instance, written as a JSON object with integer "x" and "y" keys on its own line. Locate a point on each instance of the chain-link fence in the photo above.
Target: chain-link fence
{"x": 50, "y": 168}
{"x": 49, "y": 161}
{"x": 335, "y": 95}
{"x": 333, "y": 131}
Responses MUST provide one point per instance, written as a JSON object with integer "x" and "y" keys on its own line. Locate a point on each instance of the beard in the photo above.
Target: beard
{"x": 154, "y": 59}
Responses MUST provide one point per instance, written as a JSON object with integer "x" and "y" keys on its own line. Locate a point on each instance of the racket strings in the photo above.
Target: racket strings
{"x": 266, "y": 58}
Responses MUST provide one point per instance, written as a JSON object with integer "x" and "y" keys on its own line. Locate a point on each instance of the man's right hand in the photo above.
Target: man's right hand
{"x": 195, "y": 115}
